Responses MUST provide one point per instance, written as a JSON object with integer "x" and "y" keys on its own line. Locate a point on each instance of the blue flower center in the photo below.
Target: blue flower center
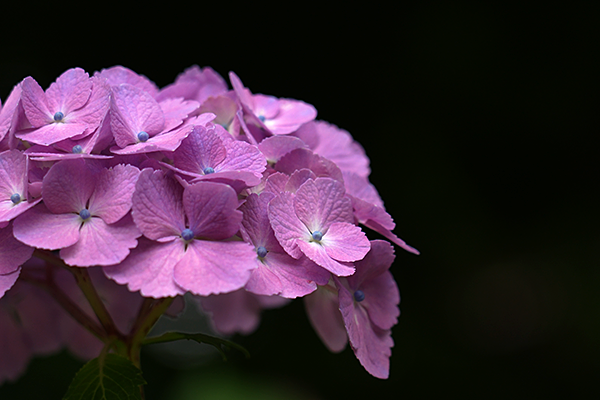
{"x": 317, "y": 235}
{"x": 209, "y": 170}
{"x": 15, "y": 198}
{"x": 187, "y": 234}
{"x": 143, "y": 136}
{"x": 262, "y": 118}
{"x": 359, "y": 295}
{"x": 85, "y": 214}
{"x": 261, "y": 252}
{"x": 58, "y": 116}
{"x": 77, "y": 149}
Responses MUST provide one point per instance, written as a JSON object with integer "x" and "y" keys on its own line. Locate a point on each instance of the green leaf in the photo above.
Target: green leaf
{"x": 216, "y": 342}
{"x": 108, "y": 377}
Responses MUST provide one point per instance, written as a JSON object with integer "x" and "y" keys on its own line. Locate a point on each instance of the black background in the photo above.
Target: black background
{"x": 481, "y": 125}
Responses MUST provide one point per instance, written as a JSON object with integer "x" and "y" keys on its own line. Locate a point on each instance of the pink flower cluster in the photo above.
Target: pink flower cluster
{"x": 229, "y": 195}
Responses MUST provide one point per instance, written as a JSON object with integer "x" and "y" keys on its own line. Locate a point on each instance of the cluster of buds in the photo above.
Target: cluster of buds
{"x": 243, "y": 200}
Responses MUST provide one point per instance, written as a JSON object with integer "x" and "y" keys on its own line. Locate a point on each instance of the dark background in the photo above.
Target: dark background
{"x": 481, "y": 125}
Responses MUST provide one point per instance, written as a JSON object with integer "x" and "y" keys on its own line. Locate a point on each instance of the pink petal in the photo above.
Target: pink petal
{"x": 7, "y": 280}
{"x": 168, "y": 141}
{"x": 70, "y": 92}
{"x": 256, "y": 227}
{"x": 13, "y": 253}
{"x": 134, "y": 110}
{"x": 324, "y": 315}
{"x": 9, "y": 112}
{"x": 371, "y": 345}
{"x": 242, "y": 156}
{"x": 176, "y": 110}
{"x": 52, "y": 133}
{"x": 157, "y": 209}
{"x": 345, "y": 242}
{"x": 202, "y": 148}
{"x": 211, "y": 209}
{"x": 68, "y": 186}
{"x": 15, "y": 350}
{"x": 321, "y": 202}
{"x": 118, "y": 74}
{"x": 40, "y": 228}
{"x": 286, "y": 226}
{"x": 275, "y": 147}
{"x": 195, "y": 84}
{"x": 35, "y": 103}
{"x": 149, "y": 268}
{"x": 290, "y": 115}
{"x": 112, "y": 196}
{"x": 96, "y": 107}
{"x": 233, "y": 312}
{"x": 317, "y": 253}
{"x": 102, "y": 244}
{"x": 304, "y": 158}
{"x": 215, "y": 267}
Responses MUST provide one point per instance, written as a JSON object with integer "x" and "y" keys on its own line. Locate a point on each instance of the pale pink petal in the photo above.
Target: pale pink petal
{"x": 102, "y": 244}
{"x": 345, "y": 242}
{"x": 317, "y": 253}
{"x": 40, "y": 228}
{"x": 134, "y": 110}
{"x": 69, "y": 92}
{"x": 324, "y": 315}
{"x": 112, "y": 197}
{"x": 67, "y": 186}
{"x": 211, "y": 209}
{"x": 149, "y": 268}
{"x": 215, "y": 267}
{"x": 157, "y": 209}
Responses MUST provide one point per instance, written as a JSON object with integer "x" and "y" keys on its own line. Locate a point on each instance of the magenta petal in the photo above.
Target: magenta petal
{"x": 40, "y": 228}
{"x": 6, "y": 282}
{"x": 149, "y": 268}
{"x": 215, "y": 267}
{"x": 345, "y": 242}
{"x": 67, "y": 186}
{"x": 211, "y": 209}
{"x": 371, "y": 345}
{"x": 96, "y": 108}
{"x": 134, "y": 110}
{"x": 289, "y": 116}
{"x": 389, "y": 235}
{"x": 12, "y": 252}
{"x": 71, "y": 91}
{"x": 324, "y": 315}
{"x": 168, "y": 141}
{"x": 112, "y": 197}
{"x": 157, "y": 209}
{"x": 304, "y": 158}
{"x": 256, "y": 227}
{"x": 8, "y": 112}
{"x": 16, "y": 352}
{"x": 317, "y": 253}
{"x": 102, "y": 244}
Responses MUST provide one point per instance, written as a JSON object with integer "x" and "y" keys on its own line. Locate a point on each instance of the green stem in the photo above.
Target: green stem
{"x": 153, "y": 311}
{"x": 82, "y": 277}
